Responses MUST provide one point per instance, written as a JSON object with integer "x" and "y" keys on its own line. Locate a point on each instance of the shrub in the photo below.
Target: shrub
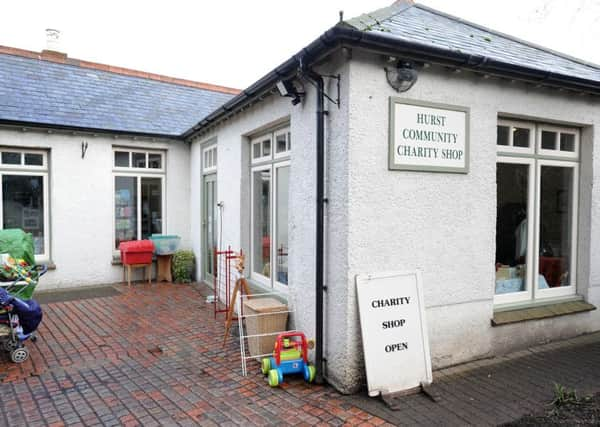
{"x": 183, "y": 266}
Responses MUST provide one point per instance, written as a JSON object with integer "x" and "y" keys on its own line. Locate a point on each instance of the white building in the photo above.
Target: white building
{"x": 483, "y": 181}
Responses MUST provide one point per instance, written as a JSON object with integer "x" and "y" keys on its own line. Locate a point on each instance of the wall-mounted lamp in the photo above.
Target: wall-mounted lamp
{"x": 84, "y": 147}
{"x": 401, "y": 77}
{"x": 291, "y": 89}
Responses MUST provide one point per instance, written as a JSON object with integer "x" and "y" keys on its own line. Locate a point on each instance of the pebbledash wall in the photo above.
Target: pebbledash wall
{"x": 81, "y": 198}
{"x": 379, "y": 220}
{"x": 445, "y": 224}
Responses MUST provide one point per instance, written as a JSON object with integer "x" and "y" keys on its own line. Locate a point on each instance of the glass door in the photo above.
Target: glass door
{"x": 209, "y": 225}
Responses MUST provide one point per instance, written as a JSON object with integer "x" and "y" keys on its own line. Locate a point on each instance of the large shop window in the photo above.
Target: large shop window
{"x": 139, "y": 194}
{"x": 537, "y": 176}
{"x": 270, "y": 182}
{"x": 25, "y": 196}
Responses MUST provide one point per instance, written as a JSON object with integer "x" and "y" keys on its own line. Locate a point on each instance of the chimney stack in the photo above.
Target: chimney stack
{"x": 53, "y": 46}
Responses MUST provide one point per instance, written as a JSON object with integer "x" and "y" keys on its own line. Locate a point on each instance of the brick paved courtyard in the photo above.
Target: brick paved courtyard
{"x": 152, "y": 355}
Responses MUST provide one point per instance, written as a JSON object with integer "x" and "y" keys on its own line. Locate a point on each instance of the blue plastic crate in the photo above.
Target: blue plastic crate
{"x": 165, "y": 244}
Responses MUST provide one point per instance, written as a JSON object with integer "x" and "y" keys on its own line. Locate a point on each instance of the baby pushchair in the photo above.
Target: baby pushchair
{"x": 19, "y": 319}
{"x": 19, "y": 314}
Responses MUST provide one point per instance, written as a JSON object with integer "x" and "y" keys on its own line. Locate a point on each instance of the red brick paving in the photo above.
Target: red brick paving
{"x": 152, "y": 356}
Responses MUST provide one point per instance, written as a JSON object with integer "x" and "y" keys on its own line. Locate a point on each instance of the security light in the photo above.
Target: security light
{"x": 401, "y": 77}
{"x": 288, "y": 88}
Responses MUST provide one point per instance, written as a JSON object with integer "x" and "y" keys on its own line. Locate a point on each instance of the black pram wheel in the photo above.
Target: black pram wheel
{"x": 9, "y": 345}
{"x": 33, "y": 338}
{"x": 19, "y": 355}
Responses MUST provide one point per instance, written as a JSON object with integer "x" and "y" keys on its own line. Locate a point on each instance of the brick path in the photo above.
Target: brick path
{"x": 151, "y": 356}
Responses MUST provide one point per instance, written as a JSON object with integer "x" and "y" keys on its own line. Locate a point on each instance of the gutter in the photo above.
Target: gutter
{"x": 376, "y": 41}
{"x": 18, "y": 124}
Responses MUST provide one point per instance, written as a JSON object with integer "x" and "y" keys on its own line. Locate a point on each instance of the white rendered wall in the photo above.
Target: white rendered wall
{"x": 82, "y": 202}
{"x": 444, "y": 224}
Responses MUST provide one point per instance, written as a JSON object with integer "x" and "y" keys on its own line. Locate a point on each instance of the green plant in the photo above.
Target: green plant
{"x": 183, "y": 266}
{"x": 564, "y": 395}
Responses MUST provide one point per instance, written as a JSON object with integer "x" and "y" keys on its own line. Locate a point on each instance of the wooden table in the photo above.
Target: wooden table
{"x": 163, "y": 270}
{"x": 127, "y": 268}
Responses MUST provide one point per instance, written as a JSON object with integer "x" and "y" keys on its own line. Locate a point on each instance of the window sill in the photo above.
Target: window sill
{"x": 523, "y": 314}
{"x": 257, "y": 287}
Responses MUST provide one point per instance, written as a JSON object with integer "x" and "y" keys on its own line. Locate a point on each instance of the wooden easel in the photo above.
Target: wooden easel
{"x": 241, "y": 285}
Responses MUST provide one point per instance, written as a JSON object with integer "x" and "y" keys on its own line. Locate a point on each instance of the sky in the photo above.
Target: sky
{"x": 234, "y": 43}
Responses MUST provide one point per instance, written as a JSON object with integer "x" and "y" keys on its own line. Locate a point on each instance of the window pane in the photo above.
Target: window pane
{"x": 548, "y": 140}
{"x": 261, "y": 234}
{"x": 289, "y": 141}
{"x": 280, "y": 143}
{"x": 511, "y": 227}
{"x": 214, "y": 157}
{"x": 266, "y": 144}
{"x": 281, "y": 209}
{"x": 32, "y": 159}
{"x": 151, "y": 206}
{"x": 567, "y": 142}
{"x": 556, "y": 216}
{"x": 520, "y": 137}
{"x": 256, "y": 151}
{"x": 138, "y": 160}
{"x": 122, "y": 159}
{"x": 154, "y": 161}
{"x": 125, "y": 209}
{"x": 502, "y": 135}
{"x": 23, "y": 206}
{"x": 210, "y": 216}
{"x": 9, "y": 158}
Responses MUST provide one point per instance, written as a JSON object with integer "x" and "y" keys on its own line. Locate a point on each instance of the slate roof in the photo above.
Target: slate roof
{"x": 414, "y": 31}
{"x": 42, "y": 92}
{"x": 415, "y": 23}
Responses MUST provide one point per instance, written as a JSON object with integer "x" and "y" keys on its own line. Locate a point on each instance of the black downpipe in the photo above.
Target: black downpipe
{"x": 319, "y": 223}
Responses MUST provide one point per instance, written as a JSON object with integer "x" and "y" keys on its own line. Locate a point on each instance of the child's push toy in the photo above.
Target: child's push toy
{"x": 290, "y": 356}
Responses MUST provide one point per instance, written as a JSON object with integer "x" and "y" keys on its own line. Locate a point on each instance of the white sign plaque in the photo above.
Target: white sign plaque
{"x": 428, "y": 137}
{"x": 394, "y": 332}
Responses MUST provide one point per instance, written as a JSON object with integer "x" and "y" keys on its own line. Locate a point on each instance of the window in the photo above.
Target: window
{"x": 139, "y": 194}
{"x": 269, "y": 205}
{"x": 209, "y": 159}
{"x": 536, "y": 222}
{"x": 24, "y": 177}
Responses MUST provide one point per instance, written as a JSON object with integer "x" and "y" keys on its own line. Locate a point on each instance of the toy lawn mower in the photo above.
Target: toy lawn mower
{"x": 290, "y": 356}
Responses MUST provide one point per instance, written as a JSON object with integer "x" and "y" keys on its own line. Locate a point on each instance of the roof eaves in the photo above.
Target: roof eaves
{"x": 67, "y": 128}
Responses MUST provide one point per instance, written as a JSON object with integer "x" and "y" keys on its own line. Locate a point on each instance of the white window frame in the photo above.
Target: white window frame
{"x": 139, "y": 173}
{"x": 517, "y": 150}
{"x": 272, "y": 163}
{"x": 130, "y": 168}
{"x": 30, "y": 170}
{"x": 281, "y": 287}
{"x": 259, "y": 277}
{"x": 286, "y": 152}
{"x": 536, "y": 159}
{"x": 527, "y": 294}
{"x": 557, "y": 153}
{"x": 209, "y": 165}
{"x": 559, "y": 291}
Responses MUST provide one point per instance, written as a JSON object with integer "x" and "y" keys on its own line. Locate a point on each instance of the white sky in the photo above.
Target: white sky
{"x": 234, "y": 43}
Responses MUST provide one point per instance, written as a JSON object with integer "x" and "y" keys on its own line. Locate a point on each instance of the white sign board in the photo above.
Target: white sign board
{"x": 394, "y": 332}
{"x": 428, "y": 137}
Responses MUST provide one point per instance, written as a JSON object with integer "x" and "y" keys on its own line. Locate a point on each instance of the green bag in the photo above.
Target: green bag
{"x": 18, "y": 244}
